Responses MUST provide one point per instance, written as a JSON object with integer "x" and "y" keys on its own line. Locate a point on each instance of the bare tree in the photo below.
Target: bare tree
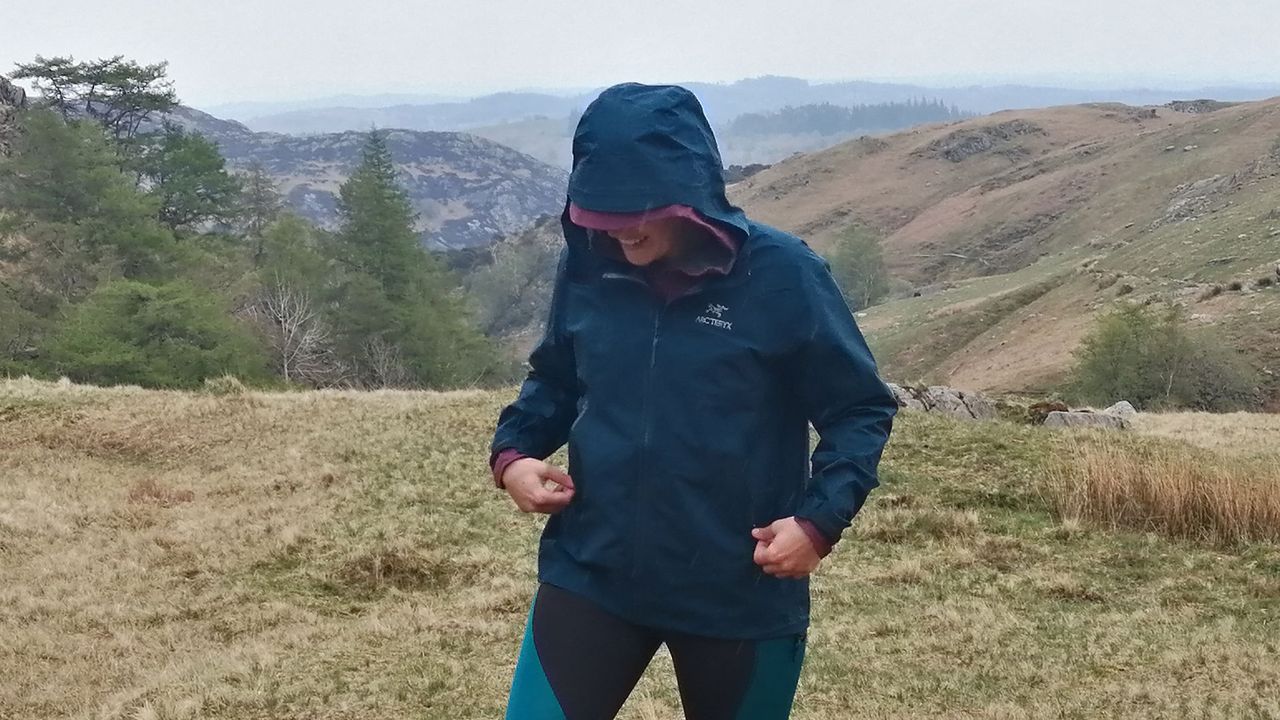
{"x": 300, "y": 340}
{"x": 386, "y": 367}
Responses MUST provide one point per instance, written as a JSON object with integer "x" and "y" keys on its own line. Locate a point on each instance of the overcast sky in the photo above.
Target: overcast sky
{"x": 239, "y": 50}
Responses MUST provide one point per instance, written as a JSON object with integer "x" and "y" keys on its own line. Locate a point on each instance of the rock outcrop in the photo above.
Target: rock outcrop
{"x": 12, "y": 100}
{"x": 967, "y": 405}
{"x": 963, "y": 144}
{"x": 945, "y": 401}
{"x": 467, "y": 191}
{"x": 1198, "y": 107}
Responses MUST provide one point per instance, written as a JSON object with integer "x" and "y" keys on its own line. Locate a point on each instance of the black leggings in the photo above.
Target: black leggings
{"x": 579, "y": 662}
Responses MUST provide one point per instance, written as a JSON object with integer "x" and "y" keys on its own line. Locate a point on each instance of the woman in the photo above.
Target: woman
{"x": 686, "y": 353}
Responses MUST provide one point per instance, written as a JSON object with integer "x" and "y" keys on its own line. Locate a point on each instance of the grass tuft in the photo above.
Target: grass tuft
{"x": 1171, "y": 490}
{"x": 899, "y": 525}
{"x": 379, "y": 570}
{"x": 225, "y": 385}
{"x": 149, "y": 490}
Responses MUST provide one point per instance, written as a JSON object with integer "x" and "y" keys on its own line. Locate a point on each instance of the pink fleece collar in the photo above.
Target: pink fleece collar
{"x": 716, "y": 257}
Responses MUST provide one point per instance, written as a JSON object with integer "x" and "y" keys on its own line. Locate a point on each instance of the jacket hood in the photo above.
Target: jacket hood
{"x": 640, "y": 147}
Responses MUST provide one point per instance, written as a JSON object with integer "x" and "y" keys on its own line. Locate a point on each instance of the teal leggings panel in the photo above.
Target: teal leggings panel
{"x": 773, "y": 684}
{"x": 531, "y": 695}
{"x": 578, "y": 662}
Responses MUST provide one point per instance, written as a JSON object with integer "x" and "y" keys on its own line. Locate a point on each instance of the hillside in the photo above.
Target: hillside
{"x": 1017, "y": 228}
{"x": 342, "y": 555}
{"x": 467, "y": 190}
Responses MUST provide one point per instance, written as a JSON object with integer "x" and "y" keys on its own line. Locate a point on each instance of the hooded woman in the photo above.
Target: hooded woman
{"x": 687, "y": 351}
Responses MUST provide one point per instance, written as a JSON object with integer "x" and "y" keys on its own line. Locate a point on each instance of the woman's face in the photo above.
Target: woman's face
{"x": 648, "y": 243}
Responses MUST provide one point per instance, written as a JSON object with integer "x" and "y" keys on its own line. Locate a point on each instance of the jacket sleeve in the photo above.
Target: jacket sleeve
{"x": 847, "y": 402}
{"x": 538, "y": 422}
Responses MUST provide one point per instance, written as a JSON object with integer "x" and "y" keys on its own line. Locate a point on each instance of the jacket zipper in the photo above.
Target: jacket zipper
{"x": 642, "y": 470}
{"x": 646, "y": 413}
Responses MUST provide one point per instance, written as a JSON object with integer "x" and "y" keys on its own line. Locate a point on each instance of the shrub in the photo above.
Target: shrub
{"x": 1265, "y": 281}
{"x": 1235, "y": 286}
{"x": 1152, "y": 360}
{"x": 224, "y": 386}
{"x": 1211, "y": 293}
{"x": 859, "y": 268}
{"x": 171, "y": 335}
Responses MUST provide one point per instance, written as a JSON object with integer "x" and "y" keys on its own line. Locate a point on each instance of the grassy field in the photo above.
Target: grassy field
{"x": 343, "y": 555}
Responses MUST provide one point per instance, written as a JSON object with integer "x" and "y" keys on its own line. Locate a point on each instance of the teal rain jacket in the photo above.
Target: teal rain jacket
{"x": 688, "y": 421}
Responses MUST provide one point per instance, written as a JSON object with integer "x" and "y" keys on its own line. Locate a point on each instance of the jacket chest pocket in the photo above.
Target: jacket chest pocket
{"x": 611, "y": 332}
{"x": 719, "y": 365}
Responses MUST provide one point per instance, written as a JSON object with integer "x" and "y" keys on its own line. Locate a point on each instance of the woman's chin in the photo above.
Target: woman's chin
{"x": 638, "y": 258}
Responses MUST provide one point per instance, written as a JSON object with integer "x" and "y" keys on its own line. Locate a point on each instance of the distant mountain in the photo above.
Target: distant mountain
{"x": 449, "y": 116}
{"x": 252, "y": 109}
{"x": 541, "y": 124}
{"x": 749, "y": 138}
{"x": 723, "y": 103}
{"x": 467, "y": 190}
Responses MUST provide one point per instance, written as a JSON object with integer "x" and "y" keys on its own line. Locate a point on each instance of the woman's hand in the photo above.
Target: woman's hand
{"x": 536, "y": 486}
{"x": 784, "y": 550}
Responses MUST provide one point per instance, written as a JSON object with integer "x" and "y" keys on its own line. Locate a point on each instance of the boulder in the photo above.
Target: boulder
{"x": 946, "y": 401}
{"x": 1122, "y": 409}
{"x": 906, "y": 398}
{"x": 980, "y": 406}
{"x": 1090, "y": 420}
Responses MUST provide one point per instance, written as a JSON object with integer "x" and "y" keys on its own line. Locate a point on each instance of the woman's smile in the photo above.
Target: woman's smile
{"x": 651, "y": 241}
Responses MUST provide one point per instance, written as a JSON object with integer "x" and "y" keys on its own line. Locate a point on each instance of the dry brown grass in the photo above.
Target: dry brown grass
{"x": 1170, "y": 489}
{"x": 1254, "y": 434}
{"x": 343, "y": 556}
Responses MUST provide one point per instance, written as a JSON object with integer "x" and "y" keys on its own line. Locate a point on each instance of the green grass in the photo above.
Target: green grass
{"x": 918, "y": 350}
{"x": 344, "y": 555}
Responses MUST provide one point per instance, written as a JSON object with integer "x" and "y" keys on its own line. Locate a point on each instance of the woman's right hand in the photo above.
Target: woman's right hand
{"x": 536, "y": 486}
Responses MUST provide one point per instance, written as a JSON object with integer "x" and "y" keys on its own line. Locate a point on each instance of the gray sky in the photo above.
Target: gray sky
{"x": 234, "y": 50}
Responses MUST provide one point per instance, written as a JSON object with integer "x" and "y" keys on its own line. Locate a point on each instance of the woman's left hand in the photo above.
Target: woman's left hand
{"x": 784, "y": 550}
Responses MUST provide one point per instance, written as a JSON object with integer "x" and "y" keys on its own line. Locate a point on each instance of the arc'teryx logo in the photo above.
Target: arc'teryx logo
{"x": 714, "y": 316}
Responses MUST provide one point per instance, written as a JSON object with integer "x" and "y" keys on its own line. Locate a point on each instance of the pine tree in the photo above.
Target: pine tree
{"x": 188, "y": 177}
{"x": 63, "y": 190}
{"x": 397, "y": 317}
{"x": 120, "y": 94}
{"x": 259, "y": 207}
{"x": 377, "y": 236}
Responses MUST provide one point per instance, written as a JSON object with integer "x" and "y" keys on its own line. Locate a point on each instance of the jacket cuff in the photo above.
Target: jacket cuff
{"x": 820, "y": 542}
{"x": 828, "y": 522}
{"x": 500, "y": 461}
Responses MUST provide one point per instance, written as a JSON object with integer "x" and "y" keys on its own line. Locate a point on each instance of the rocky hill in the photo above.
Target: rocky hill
{"x": 467, "y": 190}
{"x": 1013, "y": 231}
{"x": 12, "y": 100}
